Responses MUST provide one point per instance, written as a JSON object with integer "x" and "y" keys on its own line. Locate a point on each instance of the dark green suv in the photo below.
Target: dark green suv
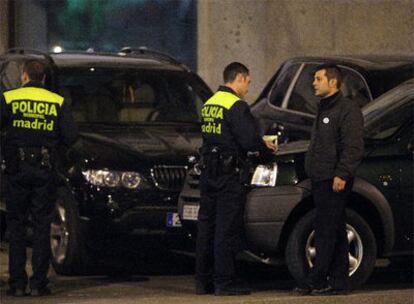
{"x": 278, "y": 220}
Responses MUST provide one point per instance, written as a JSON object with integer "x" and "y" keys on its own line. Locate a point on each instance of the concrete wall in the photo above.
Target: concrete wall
{"x": 263, "y": 33}
{"x": 4, "y": 26}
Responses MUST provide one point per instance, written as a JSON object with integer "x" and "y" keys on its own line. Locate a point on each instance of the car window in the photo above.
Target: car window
{"x": 353, "y": 87}
{"x": 282, "y": 84}
{"x": 10, "y": 76}
{"x": 107, "y": 95}
{"x": 303, "y": 99}
{"x": 391, "y": 122}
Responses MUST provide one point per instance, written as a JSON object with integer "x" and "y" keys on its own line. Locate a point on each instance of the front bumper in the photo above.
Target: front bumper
{"x": 116, "y": 210}
{"x": 266, "y": 212}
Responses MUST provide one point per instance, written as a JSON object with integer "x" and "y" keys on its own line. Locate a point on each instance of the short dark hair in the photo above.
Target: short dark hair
{"x": 230, "y": 72}
{"x": 332, "y": 71}
{"x": 35, "y": 69}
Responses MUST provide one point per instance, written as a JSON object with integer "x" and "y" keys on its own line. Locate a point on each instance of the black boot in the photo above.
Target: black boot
{"x": 40, "y": 292}
{"x": 16, "y": 292}
{"x": 232, "y": 290}
{"x": 203, "y": 289}
{"x": 328, "y": 290}
{"x": 302, "y": 290}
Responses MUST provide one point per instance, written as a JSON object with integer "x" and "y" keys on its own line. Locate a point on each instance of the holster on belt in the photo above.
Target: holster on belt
{"x": 229, "y": 163}
{"x": 246, "y": 167}
{"x": 210, "y": 161}
{"x": 217, "y": 161}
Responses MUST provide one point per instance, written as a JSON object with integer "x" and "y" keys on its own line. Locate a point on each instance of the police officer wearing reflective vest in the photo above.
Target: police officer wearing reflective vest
{"x": 35, "y": 121}
{"x": 229, "y": 132}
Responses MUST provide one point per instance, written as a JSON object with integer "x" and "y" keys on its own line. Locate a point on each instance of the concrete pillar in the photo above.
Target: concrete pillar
{"x": 4, "y": 25}
{"x": 231, "y": 30}
{"x": 31, "y": 24}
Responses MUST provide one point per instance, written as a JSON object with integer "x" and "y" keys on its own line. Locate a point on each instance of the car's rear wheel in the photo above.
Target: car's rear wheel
{"x": 300, "y": 252}
{"x": 67, "y": 240}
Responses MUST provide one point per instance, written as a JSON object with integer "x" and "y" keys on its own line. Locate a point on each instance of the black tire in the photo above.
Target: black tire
{"x": 70, "y": 255}
{"x": 297, "y": 260}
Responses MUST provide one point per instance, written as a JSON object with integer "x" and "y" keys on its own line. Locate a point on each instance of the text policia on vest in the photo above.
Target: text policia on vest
{"x": 34, "y": 110}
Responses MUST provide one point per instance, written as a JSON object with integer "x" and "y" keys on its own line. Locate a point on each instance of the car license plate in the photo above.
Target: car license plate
{"x": 173, "y": 220}
{"x": 190, "y": 212}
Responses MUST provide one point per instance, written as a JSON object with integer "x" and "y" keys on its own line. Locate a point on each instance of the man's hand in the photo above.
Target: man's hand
{"x": 338, "y": 184}
{"x": 270, "y": 145}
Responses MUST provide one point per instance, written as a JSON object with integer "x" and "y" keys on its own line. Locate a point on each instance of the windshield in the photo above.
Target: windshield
{"x": 131, "y": 96}
{"x": 385, "y": 115}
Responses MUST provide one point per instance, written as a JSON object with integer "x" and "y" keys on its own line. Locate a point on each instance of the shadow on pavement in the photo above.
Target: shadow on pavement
{"x": 126, "y": 267}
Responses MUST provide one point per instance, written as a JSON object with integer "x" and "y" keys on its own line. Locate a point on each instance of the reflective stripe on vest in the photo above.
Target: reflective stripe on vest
{"x": 224, "y": 99}
{"x": 34, "y": 94}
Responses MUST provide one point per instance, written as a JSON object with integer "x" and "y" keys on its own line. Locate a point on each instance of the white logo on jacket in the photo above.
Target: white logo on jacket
{"x": 325, "y": 120}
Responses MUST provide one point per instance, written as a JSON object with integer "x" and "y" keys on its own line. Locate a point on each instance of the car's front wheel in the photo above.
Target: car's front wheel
{"x": 300, "y": 250}
{"x": 67, "y": 240}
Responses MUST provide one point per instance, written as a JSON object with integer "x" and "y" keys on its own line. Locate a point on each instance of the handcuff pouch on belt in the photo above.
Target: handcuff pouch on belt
{"x": 38, "y": 157}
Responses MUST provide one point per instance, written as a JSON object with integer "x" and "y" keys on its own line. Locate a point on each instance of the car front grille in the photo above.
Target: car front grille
{"x": 193, "y": 178}
{"x": 189, "y": 198}
{"x": 169, "y": 177}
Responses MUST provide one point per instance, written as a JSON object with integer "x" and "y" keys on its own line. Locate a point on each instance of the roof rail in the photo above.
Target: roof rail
{"x": 24, "y": 51}
{"x": 143, "y": 50}
{"x": 49, "y": 59}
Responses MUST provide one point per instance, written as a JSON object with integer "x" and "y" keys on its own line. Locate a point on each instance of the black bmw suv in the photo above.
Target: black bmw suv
{"x": 137, "y": 111}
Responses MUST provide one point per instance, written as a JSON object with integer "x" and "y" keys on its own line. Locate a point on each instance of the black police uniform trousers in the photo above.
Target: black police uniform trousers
{"x": 30, "y": 190}
{"x": 220, "y": 229}
{"x": 331, "y": 264}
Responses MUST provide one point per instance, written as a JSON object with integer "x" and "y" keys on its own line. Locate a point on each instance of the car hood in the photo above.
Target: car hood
{"x": 130, "y": 147}
{"x": 294, "y": 147}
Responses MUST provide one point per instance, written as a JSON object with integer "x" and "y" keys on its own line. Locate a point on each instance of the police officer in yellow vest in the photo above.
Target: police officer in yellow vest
{"x": 35, "y": 121}
{"x": 229, "y": 132}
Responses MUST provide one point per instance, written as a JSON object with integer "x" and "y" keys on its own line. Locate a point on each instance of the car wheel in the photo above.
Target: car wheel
{"x": 300, "y": 251}
{"x": 67, "y": 240}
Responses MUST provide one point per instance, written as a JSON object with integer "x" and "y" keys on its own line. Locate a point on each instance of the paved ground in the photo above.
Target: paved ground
{"x": 168, "y": 279}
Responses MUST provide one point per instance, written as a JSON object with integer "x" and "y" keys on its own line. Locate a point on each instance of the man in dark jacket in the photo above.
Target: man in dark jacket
{"x": 35, "y": 121}
{"x": 335, "y": 151}
{"x": 229, "y": 132}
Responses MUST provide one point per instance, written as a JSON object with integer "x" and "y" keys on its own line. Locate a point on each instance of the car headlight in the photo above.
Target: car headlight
{"x": 95, "y": 177}
{"x": 131, "y": 180}
{"x": 109, "y": 178}
{"x": 112, "y": 179}
{"x": 265, "y": 175}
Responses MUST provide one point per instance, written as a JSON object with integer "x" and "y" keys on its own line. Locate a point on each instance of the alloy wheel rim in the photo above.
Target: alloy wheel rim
{"x": 59, "y": 235}
{"x": 355, "y": 253}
